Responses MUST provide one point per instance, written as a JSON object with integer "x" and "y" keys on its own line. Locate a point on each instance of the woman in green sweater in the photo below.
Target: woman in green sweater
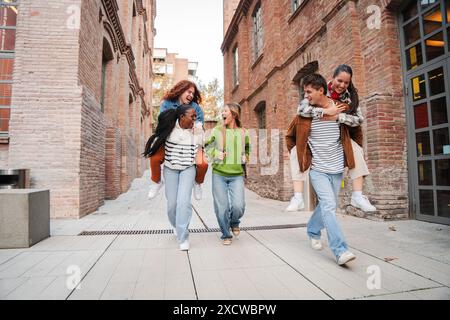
{"x": 229, "y": 149}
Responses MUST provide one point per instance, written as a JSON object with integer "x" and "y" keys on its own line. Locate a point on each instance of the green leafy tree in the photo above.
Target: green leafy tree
{"x": 161, "y": 85}
{"x": 212, "y": 99}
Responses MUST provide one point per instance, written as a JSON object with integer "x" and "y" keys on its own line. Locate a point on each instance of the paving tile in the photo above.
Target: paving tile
{"x": 341, "y": 282}
{"x": 9, "y": 285}
{"x": 30, "y": 289}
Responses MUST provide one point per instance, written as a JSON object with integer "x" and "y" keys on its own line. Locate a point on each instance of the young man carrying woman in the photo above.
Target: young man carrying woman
{"x": 344, "y": 93}
{"x": 324, "y": 147}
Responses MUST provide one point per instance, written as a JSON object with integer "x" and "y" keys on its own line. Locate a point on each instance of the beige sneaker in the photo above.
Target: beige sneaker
{"x": 236, "y": 231}
{"x": 363, "y": 203}
{"x": 316, "y": 244}
{"x": 185, "y": 246}
{"x": 295, "y": 205}
{"x": 154, "y": 189}
{"x": 346, "y": 257}
{"x": 226, "y": 242}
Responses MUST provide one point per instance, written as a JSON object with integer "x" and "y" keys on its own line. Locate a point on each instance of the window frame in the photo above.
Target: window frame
{"x": 8, "y": 54}
{"x": 235, "y": 71}
{"x": 258, "y": 32}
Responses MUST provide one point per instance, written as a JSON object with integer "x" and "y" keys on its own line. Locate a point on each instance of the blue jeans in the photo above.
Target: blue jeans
{"x": 229, "y": 202}
{"x": 327, "y": 190}
{"x": 178, "y": 188}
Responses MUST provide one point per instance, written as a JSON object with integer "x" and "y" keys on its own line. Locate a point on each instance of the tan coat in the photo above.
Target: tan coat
{"x": 298, "y": 134}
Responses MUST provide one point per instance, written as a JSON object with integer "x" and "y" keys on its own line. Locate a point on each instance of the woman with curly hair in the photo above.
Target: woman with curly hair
{"x": 184, "y": 92}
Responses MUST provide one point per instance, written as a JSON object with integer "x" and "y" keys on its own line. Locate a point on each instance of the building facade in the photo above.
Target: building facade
{"x": 76, "y": 102}
{"x": 169, "y": 69}
{"x": 399, "y": 51}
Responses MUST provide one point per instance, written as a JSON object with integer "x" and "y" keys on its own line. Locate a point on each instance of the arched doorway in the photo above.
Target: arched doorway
{"x": 425, "y": 35}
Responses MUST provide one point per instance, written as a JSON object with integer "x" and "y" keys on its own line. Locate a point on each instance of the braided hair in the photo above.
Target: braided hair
{"x": 166, "y": 124}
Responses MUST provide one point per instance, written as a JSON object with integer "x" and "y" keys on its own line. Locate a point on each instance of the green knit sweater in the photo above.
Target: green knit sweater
{"x": 231, "y": 165}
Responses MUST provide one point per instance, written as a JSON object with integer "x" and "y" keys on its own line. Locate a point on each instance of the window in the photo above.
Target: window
{"x": 235, "y": 67}
{"x": 261, "y": 115}
{"x": 8, "y": 18}
{"x": 169, "y": 68}
{"x": 257, "y": 32}
{"x": 107, "y": 57}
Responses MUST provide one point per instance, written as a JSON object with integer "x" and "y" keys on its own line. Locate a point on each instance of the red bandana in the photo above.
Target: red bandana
{"x": 333, "y": 94}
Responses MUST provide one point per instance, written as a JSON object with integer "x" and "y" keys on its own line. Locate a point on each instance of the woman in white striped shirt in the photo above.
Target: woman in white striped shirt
{"x": 182, "y": 142}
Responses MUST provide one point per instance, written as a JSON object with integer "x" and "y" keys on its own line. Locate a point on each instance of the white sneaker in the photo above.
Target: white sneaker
{"x": 363, "y": 203}
{"x": 197, "y": 191}
{"x": 184, "y": 246}
{"x": 346, "y": 257}
{"x": 316, "y": 244}
{"x": 154, "y": 189}
{"x": 295, "y": 205}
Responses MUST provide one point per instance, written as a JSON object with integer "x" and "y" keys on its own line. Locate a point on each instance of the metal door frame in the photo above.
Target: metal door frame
{"x": 426, "y": 67}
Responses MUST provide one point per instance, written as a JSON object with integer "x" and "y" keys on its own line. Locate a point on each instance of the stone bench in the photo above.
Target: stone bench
{"x": 24, "y": 217}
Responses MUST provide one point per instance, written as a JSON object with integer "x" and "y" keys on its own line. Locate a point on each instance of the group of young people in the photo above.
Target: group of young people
{"x": 179, "y": 142}
{"x": 323, "y": 139}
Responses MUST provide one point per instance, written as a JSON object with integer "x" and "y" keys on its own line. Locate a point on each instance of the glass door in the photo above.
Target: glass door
{"x": 425, "y": 32}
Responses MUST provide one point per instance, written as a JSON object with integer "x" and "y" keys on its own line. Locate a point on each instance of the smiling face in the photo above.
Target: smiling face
{"x": 187, "y": 96}
{"x": 227, "y": 116}
{"x": 341, "y": 82}
{"x": 313, "y": 95}
{"x": 188, "y": 119}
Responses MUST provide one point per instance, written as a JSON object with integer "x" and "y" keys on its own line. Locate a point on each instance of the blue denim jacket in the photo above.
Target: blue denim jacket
{"x": 167, "y": 104}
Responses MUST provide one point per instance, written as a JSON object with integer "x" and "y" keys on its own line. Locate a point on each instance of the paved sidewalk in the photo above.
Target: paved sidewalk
{"x": 131, "y": 254}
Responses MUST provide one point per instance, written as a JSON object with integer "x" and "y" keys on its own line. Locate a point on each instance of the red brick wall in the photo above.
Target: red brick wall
{"x": 57, "y": 128}
{"x": 293, "y": 41}
{"x": 45, "y": 127}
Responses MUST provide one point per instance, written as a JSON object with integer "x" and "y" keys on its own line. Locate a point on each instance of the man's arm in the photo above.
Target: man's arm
{"x": 291, "y": 136}
{"x": 308, "y": 111}
{"x": 351, "y": 120}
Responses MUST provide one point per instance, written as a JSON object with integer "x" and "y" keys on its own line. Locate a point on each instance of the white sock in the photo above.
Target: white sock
{"x": 298, "y": 195}
{"x": 357, "y": 194}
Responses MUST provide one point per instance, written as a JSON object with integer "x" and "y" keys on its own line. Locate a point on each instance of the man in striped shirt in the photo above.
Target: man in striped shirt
{"x": 324, "y": 146}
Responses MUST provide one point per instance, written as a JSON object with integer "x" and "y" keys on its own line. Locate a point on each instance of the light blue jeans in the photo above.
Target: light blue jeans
{"x": 324, "y": 216}
{"x": 229, "y": 202}
{"x": 178, "y": 188}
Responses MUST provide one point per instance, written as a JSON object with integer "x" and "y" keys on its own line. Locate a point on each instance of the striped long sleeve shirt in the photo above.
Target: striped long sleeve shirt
{"x": 326, "y": 147}
{"x": 181, "y": 147}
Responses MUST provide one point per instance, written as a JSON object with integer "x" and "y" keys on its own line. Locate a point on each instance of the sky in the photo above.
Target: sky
{"x": 194, "y": 30}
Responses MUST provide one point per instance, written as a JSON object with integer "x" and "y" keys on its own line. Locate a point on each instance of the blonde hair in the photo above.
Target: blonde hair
{"x": 235, "y": 109}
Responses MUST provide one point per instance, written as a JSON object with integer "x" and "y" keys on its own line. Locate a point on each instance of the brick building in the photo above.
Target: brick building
{"x": 76, "y": 96}
{"x": 169, "y": 69}
{"x": 399, "y": 51}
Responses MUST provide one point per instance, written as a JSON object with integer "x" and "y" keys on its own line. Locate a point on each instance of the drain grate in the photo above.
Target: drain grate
{"x": 170, "y": 231}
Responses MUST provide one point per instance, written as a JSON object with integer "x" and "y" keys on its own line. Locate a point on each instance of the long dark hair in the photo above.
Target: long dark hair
{"x": 178, "y": 89}
{"x": 351, "y": 88}
{"x": 166, "y": 123}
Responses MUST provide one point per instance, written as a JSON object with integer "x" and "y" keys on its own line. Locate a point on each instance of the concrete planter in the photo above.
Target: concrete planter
{"x": 24, "y": 217}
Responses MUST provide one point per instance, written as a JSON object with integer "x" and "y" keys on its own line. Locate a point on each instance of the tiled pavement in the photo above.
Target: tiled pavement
{"x": 273, "y": 263}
